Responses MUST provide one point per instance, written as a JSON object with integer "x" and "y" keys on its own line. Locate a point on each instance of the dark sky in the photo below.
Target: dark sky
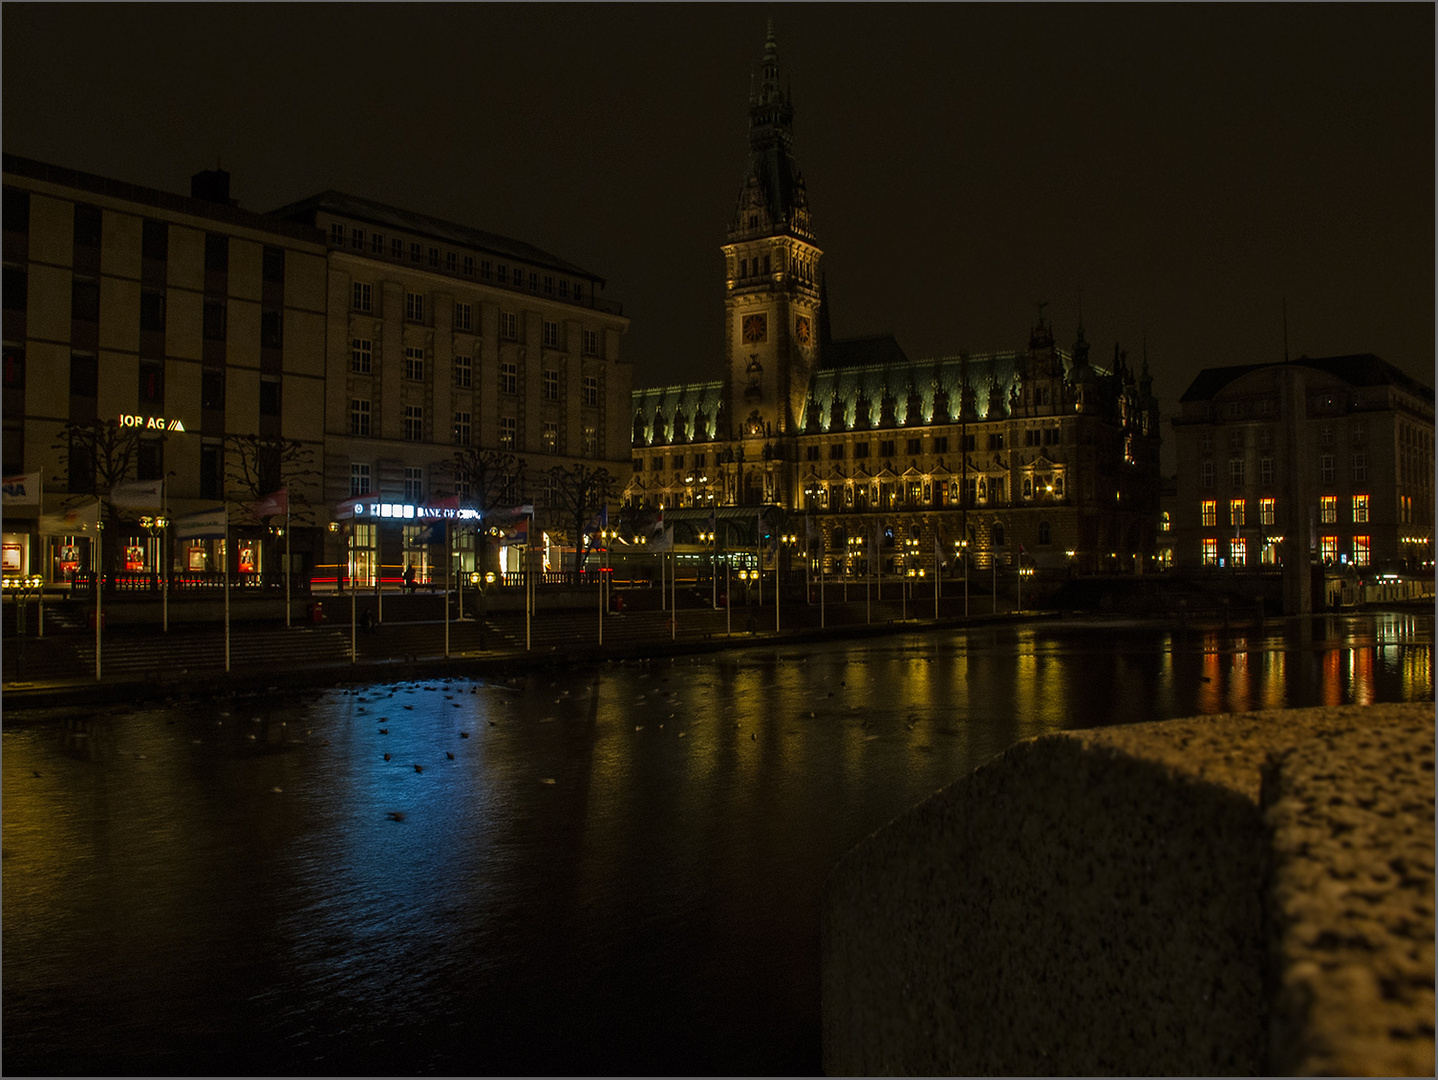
{"x": 1186, "y": 168}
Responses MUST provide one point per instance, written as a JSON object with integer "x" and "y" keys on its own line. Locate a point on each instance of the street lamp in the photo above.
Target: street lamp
{"x": 152, "y": 525}
{"x": 23, "y": 587}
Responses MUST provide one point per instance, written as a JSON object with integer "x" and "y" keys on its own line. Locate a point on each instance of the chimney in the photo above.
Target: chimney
{"x": 212, "y": 185}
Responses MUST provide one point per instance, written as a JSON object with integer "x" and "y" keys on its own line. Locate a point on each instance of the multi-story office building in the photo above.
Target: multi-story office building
{"x": 1035, "y": 454}
{"x": 440, "y": 339}
{"x": 152, "y": 336}
{"x": 333, "y": 348}
{"x": 1311, "y": 461}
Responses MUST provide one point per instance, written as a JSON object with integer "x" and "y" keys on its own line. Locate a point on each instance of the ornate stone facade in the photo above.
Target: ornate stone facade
{"x": 1035, "y": 457}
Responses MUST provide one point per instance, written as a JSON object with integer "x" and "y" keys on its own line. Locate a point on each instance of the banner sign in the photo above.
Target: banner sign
{"x": 206, "y": 524}
{"x": 22, "y": 490}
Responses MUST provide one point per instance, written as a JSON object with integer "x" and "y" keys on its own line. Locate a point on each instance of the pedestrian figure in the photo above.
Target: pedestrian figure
{"x": 367, "y": 620}
{"x": 409, "y": 578}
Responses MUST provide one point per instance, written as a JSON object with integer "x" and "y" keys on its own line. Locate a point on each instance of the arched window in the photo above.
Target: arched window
{"x": 998, "y": 535}
{"x": 1045, "y": 534}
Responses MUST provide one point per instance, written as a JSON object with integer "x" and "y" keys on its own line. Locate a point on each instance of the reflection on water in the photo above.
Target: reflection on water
{"x": 606, "y": 869}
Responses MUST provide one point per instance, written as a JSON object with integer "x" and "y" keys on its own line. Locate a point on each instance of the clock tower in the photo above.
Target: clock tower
{"x": 771, "y": 276}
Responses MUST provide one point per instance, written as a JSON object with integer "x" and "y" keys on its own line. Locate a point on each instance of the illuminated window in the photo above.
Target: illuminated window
{"x": 1269, "y": 555}
{"x": 461, "y": 429}
{"x": 551, "y": 436}
{"x": 1361, "y": 551}
{"x": 1360, "y": 509}
{"x": 463, "y": 371}
{"x": 506, "y": 432}
{"x": 508, "y": 377}
{"x": 1328, "y": 548}
{"x": 1266, "y": 511}
{"x": 1210, "y": 551}
{"x": 1208, "y": 510}
{"x": 591, "y": 389}
{"x": 1165, "y": 522}
{"x": 414, "y": 307}
{"x": 1236, "y": 512}
{"x": 414, "y": 422}
{"x": 414, "y": 364}
{"x": 1238, "y": 551}
{"x": 359, "y": 417}
{"x": 1328, "y": 509}
{"x": 361, "y": 352}
{"x": 591, "y": 444}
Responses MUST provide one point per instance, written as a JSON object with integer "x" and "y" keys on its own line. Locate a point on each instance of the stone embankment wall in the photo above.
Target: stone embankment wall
{"x": 1242, "y": 894}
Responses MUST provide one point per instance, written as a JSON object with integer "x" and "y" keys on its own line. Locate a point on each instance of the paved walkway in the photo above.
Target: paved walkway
{"x": 142, "y": 660}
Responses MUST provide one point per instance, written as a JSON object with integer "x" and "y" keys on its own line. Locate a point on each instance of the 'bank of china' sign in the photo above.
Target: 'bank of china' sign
{"x": 410, "y": 511}
{"x": 150, "y": 423}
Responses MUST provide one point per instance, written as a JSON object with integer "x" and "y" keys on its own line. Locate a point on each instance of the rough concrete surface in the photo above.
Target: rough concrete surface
{"x": 1351, "y": 899}
{"x": 1087, "y": 902}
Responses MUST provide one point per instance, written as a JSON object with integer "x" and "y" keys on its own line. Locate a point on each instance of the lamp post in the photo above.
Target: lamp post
{"x": 22, "y": 587}
{"x": 154, "y": 525}
{"x": 708, "y": 538}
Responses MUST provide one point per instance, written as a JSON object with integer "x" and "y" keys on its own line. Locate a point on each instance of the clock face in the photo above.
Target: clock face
{"x": 802, "y": 331}
{"x": 755, "y": 328}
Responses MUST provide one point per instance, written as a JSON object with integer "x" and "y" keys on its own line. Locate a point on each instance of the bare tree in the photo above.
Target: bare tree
{"x": 95, "y": 456}
{"x": 578, "y": 492}
{"x": 259, "y": 465}
{"x": 485, "y": 480}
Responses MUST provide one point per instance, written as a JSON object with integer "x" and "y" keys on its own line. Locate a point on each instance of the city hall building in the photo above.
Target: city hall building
{"x": 1035, "y": 457}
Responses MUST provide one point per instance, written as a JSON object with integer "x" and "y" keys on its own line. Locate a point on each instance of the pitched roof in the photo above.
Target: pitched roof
{"x": 1360, "y": 369}
{"x": 377, "y": 213}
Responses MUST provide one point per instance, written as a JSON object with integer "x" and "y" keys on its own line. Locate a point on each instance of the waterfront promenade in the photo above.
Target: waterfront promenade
{"x": 409, "y": 638}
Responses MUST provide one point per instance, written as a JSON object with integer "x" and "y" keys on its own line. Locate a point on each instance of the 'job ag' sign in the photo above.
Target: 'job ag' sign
{"x": 150, "y": 423}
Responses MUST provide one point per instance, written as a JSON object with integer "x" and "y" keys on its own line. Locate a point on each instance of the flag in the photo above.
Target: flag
{"x": 69, "y": 522}
{"x": 22, "y": 490}
{"x": 347, "y": 508}
{"x": 527, "y": 508}
{"x": 139, "y": 494}
{"x": 658, "y": 528}
{"x": 665, "y": 541}
{"x": 519, "y": 533}
{"x": 276, "y": 502}
{"x": 205, "y": 524}
{"x": 432, "y": 534}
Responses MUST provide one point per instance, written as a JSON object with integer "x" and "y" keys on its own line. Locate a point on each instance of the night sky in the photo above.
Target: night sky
{"x": 1183, "y": 168}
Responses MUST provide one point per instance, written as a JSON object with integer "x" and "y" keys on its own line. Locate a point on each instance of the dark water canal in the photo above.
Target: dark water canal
{"x": 609, "y": 869}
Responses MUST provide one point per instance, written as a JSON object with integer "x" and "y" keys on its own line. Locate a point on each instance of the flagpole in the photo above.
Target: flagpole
{"x": 728, "y": 603}
{"x": 528, "y": 582}
{"x": 447, "y": 559}
{"x": 99, "y": 583}
{"x": 49, "y": 567}
{"x": 164, "y": 562}
{"x": 288, "y": 599}
{"x": 227, "y": 588}
{"x": 673, "y": 594}
{"x": 938, "y": 578}
{"x": 823, "y": 553}
{"x": 354, "y": 591}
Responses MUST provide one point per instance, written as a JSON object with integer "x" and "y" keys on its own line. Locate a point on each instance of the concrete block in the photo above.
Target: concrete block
{"x": 1087, "y": 902}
